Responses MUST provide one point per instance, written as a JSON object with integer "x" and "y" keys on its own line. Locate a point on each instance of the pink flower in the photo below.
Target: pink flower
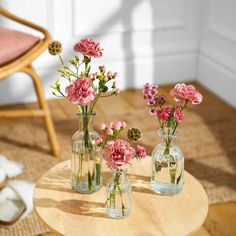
{"x": 102, "y": 126}
{"x": 153, "y": 111}
{"x": 160, "y": 100}
{"x": 164, "y": 113}
{"x": 117, "y": 91}
{"x": 98, "y": 140}
{"x": 141, "y": 151}
{"x": 102, "y": 68}
{"x": 109, "y": 131}
{"x": 81, "y": 91}
{"x": 179, "y": 116}
{"x": 115, "y": 74}
{"x": 109, "y": 73}
{"x": 89, "y": 48}
{"x": 114, "y": 84}
{"x": 116, "y": 125}
{"x": 91, "y": 76}
{"x": 118, "y": 153}
{"x": 183, "y": 92}
{"x": 123, "y": 124}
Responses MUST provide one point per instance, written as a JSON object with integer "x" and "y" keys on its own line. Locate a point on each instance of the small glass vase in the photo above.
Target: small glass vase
{"x": 118, "y": 193}
{"x": 167, "y": 165}
{"x": 86, "y": 157}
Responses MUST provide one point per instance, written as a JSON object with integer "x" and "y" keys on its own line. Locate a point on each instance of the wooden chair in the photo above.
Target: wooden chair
{"x": 24, "y": 64}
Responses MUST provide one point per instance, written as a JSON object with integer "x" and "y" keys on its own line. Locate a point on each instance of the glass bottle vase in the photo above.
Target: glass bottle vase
{"x": 86, "y": 157}
{"x": 118, "y": 193}
{"x": 167, "y": 165}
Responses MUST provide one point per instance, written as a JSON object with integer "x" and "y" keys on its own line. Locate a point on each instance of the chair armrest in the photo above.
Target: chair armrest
{"x": 25, "y": 22}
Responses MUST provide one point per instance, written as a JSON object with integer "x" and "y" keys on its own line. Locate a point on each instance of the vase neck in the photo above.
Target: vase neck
{"x": 86, "y": 122}
{"x": 168, "y": 136}
{"x": 120, "y": 174}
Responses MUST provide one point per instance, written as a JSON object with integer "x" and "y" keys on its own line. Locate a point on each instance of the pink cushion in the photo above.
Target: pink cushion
{"x": 14, "y": 43}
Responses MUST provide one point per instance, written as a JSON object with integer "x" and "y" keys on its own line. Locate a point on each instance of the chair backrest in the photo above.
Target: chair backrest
{"x": 30, "y": 55}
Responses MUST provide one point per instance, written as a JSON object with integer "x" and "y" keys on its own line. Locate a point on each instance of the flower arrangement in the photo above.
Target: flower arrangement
{"x": 118, "y": 153}
{"x": 84, "y": 88}
{"x": 170, "y": 117}
{"x": 167, "y": 158}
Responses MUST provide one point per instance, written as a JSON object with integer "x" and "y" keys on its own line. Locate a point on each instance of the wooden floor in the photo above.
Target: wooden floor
{"x": 221, "y": 217}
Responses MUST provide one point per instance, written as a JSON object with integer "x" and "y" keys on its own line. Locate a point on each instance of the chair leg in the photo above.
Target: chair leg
{"x": 44, "y": 106}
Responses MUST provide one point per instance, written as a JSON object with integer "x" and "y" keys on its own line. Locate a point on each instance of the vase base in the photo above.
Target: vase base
{"x": 166, "y": 188}
{"x": 84, "y": 188}
{"x": 117, "y": 213}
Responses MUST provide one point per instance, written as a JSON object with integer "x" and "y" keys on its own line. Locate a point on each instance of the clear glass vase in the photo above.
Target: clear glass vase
{"x": 118, "y": 192}
{"x": 86, "y": 157}
{"x": 167, "y": 165}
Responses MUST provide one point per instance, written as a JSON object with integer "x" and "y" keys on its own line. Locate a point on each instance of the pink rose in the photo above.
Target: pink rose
{"x": 89, "y": 48}
{"x": 141, "y": 151}
{"x": 183, "y": 92}
{"x": 118, "y": 153}
{"x": 81, "y": 91}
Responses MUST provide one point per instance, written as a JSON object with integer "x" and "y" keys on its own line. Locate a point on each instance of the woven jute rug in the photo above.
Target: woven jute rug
{"x": 207, "y": 139}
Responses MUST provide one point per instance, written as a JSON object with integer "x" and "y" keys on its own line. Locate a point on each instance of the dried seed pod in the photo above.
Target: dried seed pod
{"x": 55, "y": 48}
{"x": 134, "y": 134}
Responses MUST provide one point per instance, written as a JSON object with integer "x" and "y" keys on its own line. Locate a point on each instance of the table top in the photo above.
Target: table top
{"x": 72, "y": 214}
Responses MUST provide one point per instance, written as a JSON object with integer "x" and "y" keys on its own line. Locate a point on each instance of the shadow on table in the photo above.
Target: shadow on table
{"x": 61, "y": 182}
{"x": 76, "y": 207}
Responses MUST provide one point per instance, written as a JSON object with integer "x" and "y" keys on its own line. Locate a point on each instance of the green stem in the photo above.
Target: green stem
{"x": 62, "y": 62}
{"x": 113, "y": 193}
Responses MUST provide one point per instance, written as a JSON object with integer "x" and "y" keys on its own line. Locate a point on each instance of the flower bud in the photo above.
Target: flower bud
{"x": 109, "y": 131}
{"x": 102, "y": 126}
{"x": 109, "y": 73}
{"x": 101, "y": 68}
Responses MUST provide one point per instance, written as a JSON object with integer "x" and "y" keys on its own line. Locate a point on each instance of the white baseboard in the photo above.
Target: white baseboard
{"x": 217, "y": 78}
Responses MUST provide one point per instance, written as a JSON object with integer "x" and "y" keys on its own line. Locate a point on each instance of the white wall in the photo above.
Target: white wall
{"x": 144, "y": 40}
{"x": 217, "y": 55}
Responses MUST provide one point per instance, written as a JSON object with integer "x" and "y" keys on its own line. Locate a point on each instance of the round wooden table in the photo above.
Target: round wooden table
{"x": 73, "y": 214}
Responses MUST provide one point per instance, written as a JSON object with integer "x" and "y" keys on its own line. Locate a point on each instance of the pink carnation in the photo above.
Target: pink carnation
{"x": 179, "y": 116}
{"x": 182, "y": 92}
{"x": 88, "y": 47}
{"x": 141, "y": 151}
{"x": 118, "y": 153}
{"x": 81, "y": 91}
{"x": 164, "y": 113}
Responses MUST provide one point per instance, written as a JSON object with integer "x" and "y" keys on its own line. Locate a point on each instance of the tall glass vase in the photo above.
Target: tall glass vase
{"x": 118, "y": 191}
{"x": 167, "y": 165}
{"x": 86, "y": 157}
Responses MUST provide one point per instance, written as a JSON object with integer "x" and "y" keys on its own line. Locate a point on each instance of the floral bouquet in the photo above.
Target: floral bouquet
{"x": 167, "y": 157}
{"x": 84, "y": 89}
{"x": 118, "y": 153}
